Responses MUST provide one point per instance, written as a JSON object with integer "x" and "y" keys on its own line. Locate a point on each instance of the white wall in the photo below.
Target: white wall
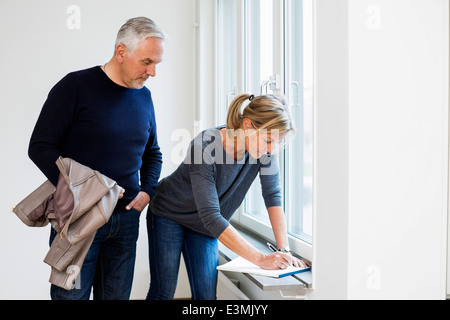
{"x": 398, "y": 147}
{"x": 381, "y": 149}
{"x": 38, "y": 50}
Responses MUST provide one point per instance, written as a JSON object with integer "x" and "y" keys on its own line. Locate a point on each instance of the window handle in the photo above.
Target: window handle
{"x": 264, "y": 84}
{"x": 230, "y": 96}
{"x": 272, "y": 84}
{"x": 295, "y": 93}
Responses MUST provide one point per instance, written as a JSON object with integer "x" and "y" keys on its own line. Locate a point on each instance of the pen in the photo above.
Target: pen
{"x": 271, "y": 247}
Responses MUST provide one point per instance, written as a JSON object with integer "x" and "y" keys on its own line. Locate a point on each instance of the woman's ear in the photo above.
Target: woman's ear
{"x": 247, "y": 124}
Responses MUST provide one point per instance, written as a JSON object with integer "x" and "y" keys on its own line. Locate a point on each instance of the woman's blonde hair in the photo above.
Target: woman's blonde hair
{"x": 266, "y": 112}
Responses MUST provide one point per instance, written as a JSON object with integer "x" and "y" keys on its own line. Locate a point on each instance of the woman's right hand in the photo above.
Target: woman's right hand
{"x": 275, "y": 261}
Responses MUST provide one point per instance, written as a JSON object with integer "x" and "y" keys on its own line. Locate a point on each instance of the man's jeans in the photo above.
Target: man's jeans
{"x": 109, "y": 263}
{"x": 167, "y": 239}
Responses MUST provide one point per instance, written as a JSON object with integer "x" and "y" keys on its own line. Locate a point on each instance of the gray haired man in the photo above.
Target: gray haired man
{"x": 103, "y": 118}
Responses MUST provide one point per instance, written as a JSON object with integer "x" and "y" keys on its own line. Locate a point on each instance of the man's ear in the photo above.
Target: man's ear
{"x": 121, "y": 51}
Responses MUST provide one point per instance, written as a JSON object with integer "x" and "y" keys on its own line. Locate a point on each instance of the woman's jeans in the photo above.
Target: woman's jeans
{"x": 109, "y": 263}
{"x": 167, "y": 240}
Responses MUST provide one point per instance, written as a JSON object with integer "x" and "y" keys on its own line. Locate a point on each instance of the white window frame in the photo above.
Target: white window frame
{"x": 297, "y": 245}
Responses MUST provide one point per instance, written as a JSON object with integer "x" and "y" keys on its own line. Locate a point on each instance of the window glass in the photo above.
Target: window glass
{"x": 227, "y": 56}
{"x": 298, "y": 82}
{"x": 259, "y": 53}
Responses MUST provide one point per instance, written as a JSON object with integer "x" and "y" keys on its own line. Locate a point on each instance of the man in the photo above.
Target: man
{"x": 103, "y": 118}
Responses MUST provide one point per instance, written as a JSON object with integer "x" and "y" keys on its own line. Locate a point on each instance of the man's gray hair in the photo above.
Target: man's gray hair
{"x": 137, "y": 29}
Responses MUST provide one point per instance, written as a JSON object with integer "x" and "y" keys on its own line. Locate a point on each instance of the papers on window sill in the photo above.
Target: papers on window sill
{"x": 241, "y": 265}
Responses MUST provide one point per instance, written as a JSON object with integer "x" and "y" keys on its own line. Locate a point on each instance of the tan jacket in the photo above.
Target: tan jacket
{"x": 82, "y": 202}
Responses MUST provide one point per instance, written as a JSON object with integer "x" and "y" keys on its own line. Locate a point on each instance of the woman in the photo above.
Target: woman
{"x": 192, "y": 206}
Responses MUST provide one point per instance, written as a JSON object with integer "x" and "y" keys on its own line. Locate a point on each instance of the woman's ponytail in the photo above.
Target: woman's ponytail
{"x": 234, "y": 115}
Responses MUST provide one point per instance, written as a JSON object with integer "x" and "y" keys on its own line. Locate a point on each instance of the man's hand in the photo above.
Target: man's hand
{"x": 140, "y": 202}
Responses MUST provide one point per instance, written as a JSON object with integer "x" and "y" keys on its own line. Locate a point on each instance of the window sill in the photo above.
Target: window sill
{"x": 294, "y": 282}
{"x": 299, "y": 247}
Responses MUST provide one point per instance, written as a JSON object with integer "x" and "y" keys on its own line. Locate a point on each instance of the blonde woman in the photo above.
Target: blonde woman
{"x": 192, "y": 207}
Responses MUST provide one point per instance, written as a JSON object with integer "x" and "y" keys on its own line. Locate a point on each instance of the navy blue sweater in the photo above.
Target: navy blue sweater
{"x": 107, "y": 127}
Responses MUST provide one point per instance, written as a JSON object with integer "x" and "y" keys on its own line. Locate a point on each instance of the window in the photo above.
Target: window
{"x": 227, "y": 56}
{"x": 265, "y": 46}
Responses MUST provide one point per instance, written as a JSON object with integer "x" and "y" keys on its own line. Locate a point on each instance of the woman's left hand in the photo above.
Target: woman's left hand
{"x": 299, "y": 263}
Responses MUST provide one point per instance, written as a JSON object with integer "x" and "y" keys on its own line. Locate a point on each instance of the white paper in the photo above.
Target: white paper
{"x": 244, "y": 266}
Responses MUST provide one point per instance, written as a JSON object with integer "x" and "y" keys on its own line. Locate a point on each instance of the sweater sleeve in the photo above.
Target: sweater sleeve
{"x": 270, "y": 181}
{"x": 151, "y": 161}
{"x": 55, "y": 120}
{"x": 204, "y": 189}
